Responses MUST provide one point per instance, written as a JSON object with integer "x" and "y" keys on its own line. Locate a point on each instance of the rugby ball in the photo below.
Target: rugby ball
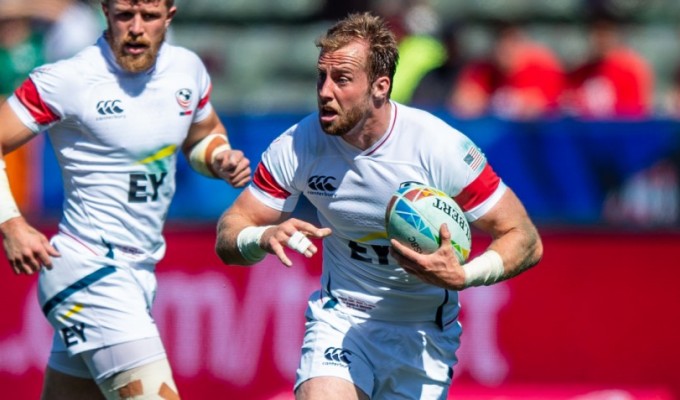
{"x": 416, "y": 211}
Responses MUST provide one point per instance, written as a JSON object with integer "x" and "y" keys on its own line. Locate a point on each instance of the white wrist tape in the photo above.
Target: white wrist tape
{"x": 485, "y": 270}
{"x": 248, "y": 243}
{"x": 8, "y": 207}
{"x": 203, "y": 153}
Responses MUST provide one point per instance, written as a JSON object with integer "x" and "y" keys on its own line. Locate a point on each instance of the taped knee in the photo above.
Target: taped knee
{"x": 148, "y": 382}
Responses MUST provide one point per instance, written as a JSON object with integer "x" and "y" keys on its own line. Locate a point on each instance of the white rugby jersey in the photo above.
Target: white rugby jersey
{"x": 116, "y": 136}
{"x": 350, "y": 189}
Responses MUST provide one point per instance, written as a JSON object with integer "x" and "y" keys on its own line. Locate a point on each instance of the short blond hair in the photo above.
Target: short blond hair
{"x": 383, "y": 53}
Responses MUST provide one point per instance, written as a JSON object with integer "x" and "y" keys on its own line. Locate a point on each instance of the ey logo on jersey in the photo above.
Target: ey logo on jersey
{"x": 183, "y": 97}
{"x": 321, "y": 185}
{"x": 108, "y": 109}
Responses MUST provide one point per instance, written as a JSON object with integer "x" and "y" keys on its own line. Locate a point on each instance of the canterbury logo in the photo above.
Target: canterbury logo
{"x": 321, "y": 183}
{"x": 337, "y": 355}
{"x": 109, "y": 107}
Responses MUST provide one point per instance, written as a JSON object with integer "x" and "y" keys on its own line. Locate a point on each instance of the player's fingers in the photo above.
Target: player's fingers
{"x": 240, "y": 179}
{"x": 16, "y": 267}
{"x": 29, "y": 264}
{"x": 235, "y": 158}
{"x": 299, "y": 242}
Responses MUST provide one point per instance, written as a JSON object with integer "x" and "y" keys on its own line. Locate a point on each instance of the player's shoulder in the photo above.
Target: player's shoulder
{"x": 70, "y": 72}
{"x": 305, "y": 136}
{"x": 422, "y": 123}
{"x": 180, "y": 57}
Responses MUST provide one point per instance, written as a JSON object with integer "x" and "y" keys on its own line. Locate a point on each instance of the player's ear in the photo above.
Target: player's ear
{"x": 380, "y": 88}
{"x": 171, "y": 15}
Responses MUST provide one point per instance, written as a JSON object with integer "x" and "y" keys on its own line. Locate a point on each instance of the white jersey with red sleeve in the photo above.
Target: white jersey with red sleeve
{"x": 350, "y": 189}
{"x": 116, "y": 136}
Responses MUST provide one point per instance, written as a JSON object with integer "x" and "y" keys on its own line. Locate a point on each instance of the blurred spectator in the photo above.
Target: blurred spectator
{"x": 672, "y": 96}
{"x": 614, "y": 82}
{"x": 521, "y": 79}
{"x": 416, "y": 26}
{"x": 71, "y": 25}
{"x": 21, "y": 50}
{"x": 435, "y": 89}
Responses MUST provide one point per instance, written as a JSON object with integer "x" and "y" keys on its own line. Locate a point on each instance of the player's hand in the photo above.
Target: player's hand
{"x": 27, "y": 249}
{"x": 294, "y": 234}
{"x": 440, "y": 268}
{"x": 232, "y": 166}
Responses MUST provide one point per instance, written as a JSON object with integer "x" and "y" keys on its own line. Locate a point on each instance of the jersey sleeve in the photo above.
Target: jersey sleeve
{"x": 204, "y": 106}
{"x": 274, "y": 179}
{"x": 469, "y": 177}
{"x": 43, "y": 98}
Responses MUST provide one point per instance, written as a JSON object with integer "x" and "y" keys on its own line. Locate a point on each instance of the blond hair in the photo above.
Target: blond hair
{"x": 383, "y": 54}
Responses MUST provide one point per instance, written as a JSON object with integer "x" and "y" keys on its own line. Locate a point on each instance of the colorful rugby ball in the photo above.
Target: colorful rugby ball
{"x": 416, "y": 211}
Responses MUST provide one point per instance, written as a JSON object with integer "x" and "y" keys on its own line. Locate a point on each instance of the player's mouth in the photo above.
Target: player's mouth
{"x": 327, "y": 114}
{"x": 135, "y": 48}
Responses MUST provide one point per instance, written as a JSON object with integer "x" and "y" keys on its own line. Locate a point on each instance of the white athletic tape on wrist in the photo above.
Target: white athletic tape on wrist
{"x": 203, "y": 153}
{"x": 485, "y": 270}
{"x": 8, "y": 207}
{"x": 248, "y": 243}
{"x": 299, "y": 242}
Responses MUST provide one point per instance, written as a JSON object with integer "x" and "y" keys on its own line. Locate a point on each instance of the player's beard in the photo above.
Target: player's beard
{"x": 136, "y": 62}
{"x": 345, "y": 122}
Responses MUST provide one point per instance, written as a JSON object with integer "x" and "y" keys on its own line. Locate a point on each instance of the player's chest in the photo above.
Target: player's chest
{"x": 142, "y": 115}
{"x": 358, "y": 192}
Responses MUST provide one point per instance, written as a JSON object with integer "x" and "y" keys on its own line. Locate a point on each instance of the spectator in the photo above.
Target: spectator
{"x": 435, "y": 90}
{"x": 71, "y": 25}
{"x": 416, "y": 26}
{"x": 521, "y": 79}
{"x": 21, "y": 50}
{"x": 614, "y": 82}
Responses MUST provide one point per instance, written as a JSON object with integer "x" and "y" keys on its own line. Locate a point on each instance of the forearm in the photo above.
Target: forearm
{"x": 8, "y": 207}
{"x": 239, "y": 243}
{"x": 520, "y": 249}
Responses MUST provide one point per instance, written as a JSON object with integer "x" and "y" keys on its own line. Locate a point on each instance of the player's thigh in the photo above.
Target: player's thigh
{"x": 60, "y": 386}
{"x": 152, "y": 381}
{"x": 329, "y": 388}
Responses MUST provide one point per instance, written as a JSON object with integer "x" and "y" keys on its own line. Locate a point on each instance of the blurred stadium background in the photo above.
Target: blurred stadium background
{"x": 598, "y": 319}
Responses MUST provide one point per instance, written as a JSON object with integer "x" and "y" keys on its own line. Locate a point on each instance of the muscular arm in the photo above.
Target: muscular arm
{"x": 228, "y": 164}
{"x": 249, "y": 211}
{"x": 246, "y": 211}
{"x": 514, "y": 236}
{"x": 13, "y": 133}
{"x": 27, "y": 249}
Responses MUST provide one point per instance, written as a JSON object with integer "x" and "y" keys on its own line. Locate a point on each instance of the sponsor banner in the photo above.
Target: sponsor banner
{"x": 567, "y": 172}
{"x": 597, "y": 319}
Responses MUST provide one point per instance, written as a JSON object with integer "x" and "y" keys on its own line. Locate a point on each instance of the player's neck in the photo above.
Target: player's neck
{"x": 374, "y": 127}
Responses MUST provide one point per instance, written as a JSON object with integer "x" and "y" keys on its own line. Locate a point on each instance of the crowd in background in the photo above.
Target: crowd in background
{"x": 518, "y": 76}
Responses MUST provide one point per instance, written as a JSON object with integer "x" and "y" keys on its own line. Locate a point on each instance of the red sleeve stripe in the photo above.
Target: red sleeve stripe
{"x": 264, "y": 180}
{"x": 205, "y": 98}
{"x": 28, "y": 95}
{"x": 479, "y": 190}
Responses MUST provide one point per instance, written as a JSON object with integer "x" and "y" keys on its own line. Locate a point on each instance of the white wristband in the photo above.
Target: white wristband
{"x": 8, "y": 207}
{"x": 485, "y": 269}
{"x": 248, "y": 243}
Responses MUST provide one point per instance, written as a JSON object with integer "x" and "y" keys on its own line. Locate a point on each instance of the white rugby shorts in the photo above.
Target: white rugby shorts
{"x": 384, "y": 359}
{"x": 92, "y": 299}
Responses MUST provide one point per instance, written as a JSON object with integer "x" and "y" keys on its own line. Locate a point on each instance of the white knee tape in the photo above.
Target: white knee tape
{"x": 152, "y": 381}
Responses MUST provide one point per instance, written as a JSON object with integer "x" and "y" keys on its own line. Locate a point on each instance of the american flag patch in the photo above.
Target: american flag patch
{"x": 474, "y": 158}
